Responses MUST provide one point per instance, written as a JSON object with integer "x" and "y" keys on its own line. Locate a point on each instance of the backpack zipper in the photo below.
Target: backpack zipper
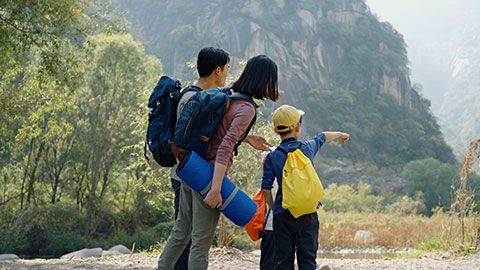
{"x": 188, "y": 123}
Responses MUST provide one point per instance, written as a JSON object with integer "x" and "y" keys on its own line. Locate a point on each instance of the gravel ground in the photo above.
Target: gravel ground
{"x": 234, "y": 259}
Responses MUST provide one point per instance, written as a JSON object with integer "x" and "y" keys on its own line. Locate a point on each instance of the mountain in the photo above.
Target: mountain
{"x": 460, "y": 110}
{"x": 324, "y": 49}
{"x": 442, "y": 38}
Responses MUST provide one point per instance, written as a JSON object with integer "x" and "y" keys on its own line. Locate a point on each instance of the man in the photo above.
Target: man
{"x": 212, "y": 65}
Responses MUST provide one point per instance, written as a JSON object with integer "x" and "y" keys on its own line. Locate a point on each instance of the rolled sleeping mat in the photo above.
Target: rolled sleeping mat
{"x": 198, "y": 173}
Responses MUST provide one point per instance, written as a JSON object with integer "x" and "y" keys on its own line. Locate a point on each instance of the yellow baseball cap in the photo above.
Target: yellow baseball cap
{"x": 286, "y": 118}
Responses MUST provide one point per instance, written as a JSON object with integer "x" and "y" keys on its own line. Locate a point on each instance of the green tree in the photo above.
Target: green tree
{"x": 118, "y": 69}
{"x": 383, "y": 132}
{"x": 434, "y": 179}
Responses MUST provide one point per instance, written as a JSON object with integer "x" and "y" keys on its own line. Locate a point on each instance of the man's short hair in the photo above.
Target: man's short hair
{"x": 209, "y": 58}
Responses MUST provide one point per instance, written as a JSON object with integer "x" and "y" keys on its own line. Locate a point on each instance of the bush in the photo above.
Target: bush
{"x": 60, "y": 242}
{"x": 434, "y": 179}
{"x": 360, "y": 198}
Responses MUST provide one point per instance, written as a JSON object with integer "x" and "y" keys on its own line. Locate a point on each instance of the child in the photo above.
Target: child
{"x": 290, "y": 232}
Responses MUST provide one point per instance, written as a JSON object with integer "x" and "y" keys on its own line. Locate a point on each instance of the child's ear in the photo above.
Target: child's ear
{"x": 297, "y": 128}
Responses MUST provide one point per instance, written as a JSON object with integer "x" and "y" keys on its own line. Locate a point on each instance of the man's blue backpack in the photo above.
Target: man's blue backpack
{"x": 162, "y": 118}
{"x": 201, "y": 117}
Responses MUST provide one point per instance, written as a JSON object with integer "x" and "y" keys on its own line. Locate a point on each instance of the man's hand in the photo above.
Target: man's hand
{"x": 344, "y": 137}
{"x": 213, "y": 199}
{"x": 258, "y": 142}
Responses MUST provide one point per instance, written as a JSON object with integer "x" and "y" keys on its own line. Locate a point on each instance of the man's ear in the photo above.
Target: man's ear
{"x": 217, "y": 70}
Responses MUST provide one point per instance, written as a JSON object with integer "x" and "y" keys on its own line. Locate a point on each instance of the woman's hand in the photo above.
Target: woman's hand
{"x": 258, "y": 142}
{"x": 213, "y": 199}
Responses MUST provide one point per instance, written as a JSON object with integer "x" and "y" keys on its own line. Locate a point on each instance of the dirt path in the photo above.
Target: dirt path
{"x": 226, "y": 259}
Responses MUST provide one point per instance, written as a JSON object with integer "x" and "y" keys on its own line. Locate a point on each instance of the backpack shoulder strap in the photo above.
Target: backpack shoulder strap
{"x": 243, "y": 96}
{"x": 285, "y": 151}
{"x": 266, "y": 219}
{"x": 228, "y": 91}
{"x": 190, "y": 88}
{"x": 255, "y": 106}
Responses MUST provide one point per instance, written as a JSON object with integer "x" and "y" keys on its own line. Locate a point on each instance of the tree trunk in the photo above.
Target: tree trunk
{"x": 54, "y": 188}
{"x": 22, "y": 190}
{"x": 125, "y": 195}
{"x": 105, "y": 179}
{"x": 94, "y": 178}
{"x": 30, "y": 190}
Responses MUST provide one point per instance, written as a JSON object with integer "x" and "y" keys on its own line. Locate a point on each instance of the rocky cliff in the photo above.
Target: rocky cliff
{"x": 315, "y": 43}
{"x": 336, "y": 61}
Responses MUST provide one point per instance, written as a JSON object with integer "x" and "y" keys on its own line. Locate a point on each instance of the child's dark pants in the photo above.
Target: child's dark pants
{"x": 290, "y": 232}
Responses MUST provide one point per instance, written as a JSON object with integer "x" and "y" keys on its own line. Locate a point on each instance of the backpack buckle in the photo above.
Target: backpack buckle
{"x": 205, "y": 139}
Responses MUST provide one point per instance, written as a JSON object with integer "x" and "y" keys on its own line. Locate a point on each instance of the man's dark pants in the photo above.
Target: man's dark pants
{"x": 290, "y": 232}
{"x": 182, "y": 263}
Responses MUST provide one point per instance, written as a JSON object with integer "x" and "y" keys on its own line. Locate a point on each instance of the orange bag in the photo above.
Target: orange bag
{"x": 256, "y": 226}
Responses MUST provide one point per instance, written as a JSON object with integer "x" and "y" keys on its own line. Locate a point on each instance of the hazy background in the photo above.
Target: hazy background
{"x": 431, "y": 29}
{"x": 442, "y": 38}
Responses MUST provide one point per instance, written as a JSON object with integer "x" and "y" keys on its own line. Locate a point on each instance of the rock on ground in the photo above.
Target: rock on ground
{"x": 229, "y": 258}
{"x": 7, "y": 257}
{"x": 83, "y": 253}
{"x": 116, "y": 250}
{"x": 121, "y": 249}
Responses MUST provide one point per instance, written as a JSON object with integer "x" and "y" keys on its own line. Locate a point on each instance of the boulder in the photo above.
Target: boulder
{"x": 121, "y": 249}
{"x": 83, "y": 253}
{"x": 363, "y": 238}
{"x": 106, "y": 253}
{"x": 8, "y": 257}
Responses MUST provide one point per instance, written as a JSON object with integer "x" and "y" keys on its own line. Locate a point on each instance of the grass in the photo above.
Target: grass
{"x": 390, "y": 230}
{"x": 435, "y": 234}
{"x": 154, "y": 250}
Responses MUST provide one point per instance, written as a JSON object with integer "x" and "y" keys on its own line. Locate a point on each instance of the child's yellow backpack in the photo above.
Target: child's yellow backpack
{"x": 302, "y": 190}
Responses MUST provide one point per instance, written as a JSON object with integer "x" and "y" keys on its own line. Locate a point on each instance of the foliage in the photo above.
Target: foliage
{"x": 74, "y": 150}
{"x": 38, "y": 54}
{"x": 434, "y": 179}
{"x": 360, "y": 198}
{"x": 53, "y": 230}
{"x": 382, "y": 131}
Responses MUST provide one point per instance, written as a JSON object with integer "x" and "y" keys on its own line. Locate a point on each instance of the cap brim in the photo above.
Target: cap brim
{"x": 300, "y": 112}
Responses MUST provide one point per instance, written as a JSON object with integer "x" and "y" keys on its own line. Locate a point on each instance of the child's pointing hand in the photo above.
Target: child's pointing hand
{"x": 344, "y": 137}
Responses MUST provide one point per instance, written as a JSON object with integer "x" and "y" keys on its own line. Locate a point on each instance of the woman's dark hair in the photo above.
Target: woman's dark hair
{"x": 210, "y": 58}
{"x": 259, "y": 79}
